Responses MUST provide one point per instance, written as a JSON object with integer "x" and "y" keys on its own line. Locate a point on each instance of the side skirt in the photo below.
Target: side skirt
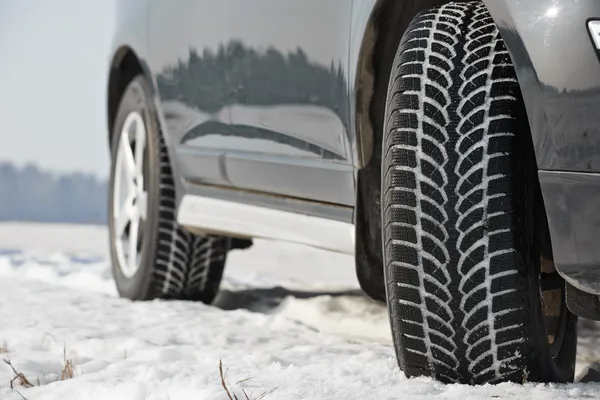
{"x": 214, "y": 210}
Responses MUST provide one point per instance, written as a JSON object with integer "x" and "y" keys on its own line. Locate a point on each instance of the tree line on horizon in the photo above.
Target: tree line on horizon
{"x": 29, "y": 194}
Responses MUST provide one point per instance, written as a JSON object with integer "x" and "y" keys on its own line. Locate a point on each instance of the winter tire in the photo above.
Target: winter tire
{"x": 152, "y": 256}
{"x": 460, "y": 204}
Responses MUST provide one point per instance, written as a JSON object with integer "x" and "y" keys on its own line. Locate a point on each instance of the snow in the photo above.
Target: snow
{"x": 289, "y": 317}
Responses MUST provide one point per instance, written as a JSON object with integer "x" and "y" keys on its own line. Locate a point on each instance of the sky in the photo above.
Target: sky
{"x": 53, "y": 77}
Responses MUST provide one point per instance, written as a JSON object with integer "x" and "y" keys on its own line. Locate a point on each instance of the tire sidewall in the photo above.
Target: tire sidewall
{"x": 136, "y": 98}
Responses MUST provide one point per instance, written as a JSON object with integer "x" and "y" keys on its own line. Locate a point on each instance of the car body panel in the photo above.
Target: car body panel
{"x": 242, "y": 135}
{"x": 362, "y": 38}
{"x": 559, "y": 74}
{"x": 131, "y": 33}
{"x": 210, "y": 215}
{"x": 333, "y": 212}
{"x": 248, "y": 107}
{"x": 572, "y": 203}
{"x": 130, "y": 36}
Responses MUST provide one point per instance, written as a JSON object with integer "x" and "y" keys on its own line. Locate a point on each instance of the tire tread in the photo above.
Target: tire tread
{"x": 456, "y": 251}
{"x": 187, "y": 267}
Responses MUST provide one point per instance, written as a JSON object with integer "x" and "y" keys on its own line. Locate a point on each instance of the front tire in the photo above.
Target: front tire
{"x": 152, "y": 256}
{"x": 460, "y": 235}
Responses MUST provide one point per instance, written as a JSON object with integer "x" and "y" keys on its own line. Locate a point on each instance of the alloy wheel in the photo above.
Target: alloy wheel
{"x": 130, "y": 199}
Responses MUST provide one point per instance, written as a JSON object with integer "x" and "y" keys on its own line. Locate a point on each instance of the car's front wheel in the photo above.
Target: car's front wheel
{"x": 464, "y": 283}
{"x": 152, "y": 256}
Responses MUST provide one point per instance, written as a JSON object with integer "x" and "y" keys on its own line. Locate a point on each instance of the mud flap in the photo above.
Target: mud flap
{"x": 583, "y": 304}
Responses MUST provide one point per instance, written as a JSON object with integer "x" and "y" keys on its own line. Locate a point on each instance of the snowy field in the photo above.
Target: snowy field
{"x": 290, "y": 322}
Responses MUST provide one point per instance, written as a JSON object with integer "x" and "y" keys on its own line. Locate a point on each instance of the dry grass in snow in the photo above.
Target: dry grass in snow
{"x": 233, "y": 396}
{"x": 19, "y": 379}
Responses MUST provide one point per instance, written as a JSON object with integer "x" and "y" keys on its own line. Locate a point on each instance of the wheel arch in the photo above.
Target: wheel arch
{"x": 376, "y": 34}
{"x": 377, "y": 28}
{"x": 502, "y": 12}
{"x": 512, "y": 31}
{"x": 377, "y": 31}
{"x": 125, "y": 65}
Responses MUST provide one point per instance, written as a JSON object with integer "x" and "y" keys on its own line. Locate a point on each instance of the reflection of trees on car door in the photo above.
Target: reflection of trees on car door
{"x": 269, "y": 94}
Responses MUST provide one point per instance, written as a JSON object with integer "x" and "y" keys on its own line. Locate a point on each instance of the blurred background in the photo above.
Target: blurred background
{"x": 53, "y": 65}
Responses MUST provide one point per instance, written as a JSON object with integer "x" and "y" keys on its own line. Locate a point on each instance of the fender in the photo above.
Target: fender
{"x": 376, "y": 28}
{"x": 559, "y": 73}
{"x": 130, "y": 33}
{"x": 131, "y": 37}
{"x": 555, "y": 56}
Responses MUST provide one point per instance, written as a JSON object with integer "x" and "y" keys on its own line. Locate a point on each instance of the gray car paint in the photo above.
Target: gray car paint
{"x": 557, "y": 66}
{"x": 572, "y": 203}
{"x": 267, "y": 110}
{"x": 559, "y": 73}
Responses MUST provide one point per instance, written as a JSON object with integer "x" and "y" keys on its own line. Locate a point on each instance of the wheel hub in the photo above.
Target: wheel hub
{"x": 130, "y": 199}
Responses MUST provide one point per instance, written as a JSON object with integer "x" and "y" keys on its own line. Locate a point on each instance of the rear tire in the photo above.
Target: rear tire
{"x": 173, "y": 263}
{"x": 460, "y": 235}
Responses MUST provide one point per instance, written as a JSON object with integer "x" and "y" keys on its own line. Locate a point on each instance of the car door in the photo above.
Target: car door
{"x": 288, "y": 98}
{"x": 185, "y": 39}
{"x": 255, "y": 93}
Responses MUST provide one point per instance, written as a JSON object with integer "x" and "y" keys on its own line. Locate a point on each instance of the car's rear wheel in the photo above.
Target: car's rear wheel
{"x": 467, "y": 296}
{"x": 152, "y": 256}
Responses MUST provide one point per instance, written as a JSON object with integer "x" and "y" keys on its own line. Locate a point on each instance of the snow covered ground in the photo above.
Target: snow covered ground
{"x": 290, "y": 321}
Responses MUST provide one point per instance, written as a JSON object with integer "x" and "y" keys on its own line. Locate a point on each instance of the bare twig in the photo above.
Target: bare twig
{"x": 245, "y": 394}
{"x": 233, "y": 396}
{"x": 243, "y": 380}
{"x": 19, "y": 376}
{"x": 19, "y": 393}
{"x": 265, "y": 394}
{"x": 223, "y": 382}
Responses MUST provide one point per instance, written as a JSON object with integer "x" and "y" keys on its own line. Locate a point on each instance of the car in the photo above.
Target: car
{"x": 452, "y": 147}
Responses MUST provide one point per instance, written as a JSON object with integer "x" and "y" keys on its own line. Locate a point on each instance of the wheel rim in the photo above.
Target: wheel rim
{"x": 130, "y": 204}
